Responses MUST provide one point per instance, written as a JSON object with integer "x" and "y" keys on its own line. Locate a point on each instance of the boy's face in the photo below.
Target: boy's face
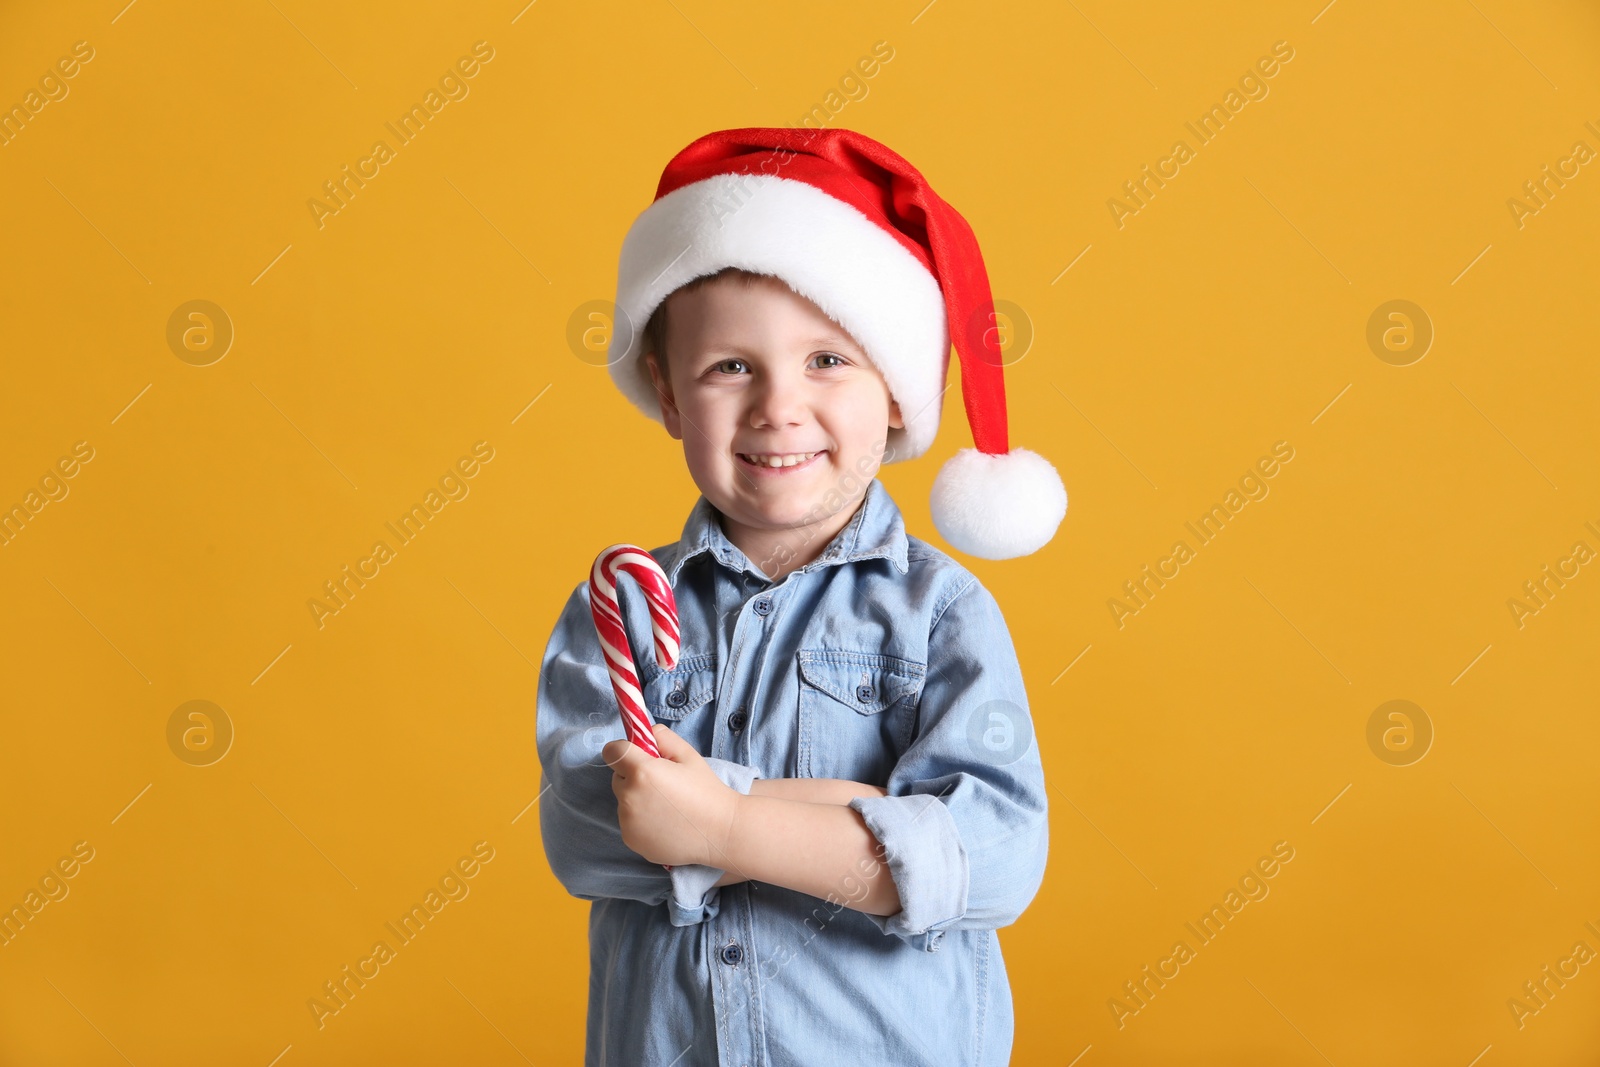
{"x": 756, "y": 370}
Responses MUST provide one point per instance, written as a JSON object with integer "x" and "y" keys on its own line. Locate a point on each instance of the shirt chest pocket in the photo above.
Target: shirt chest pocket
{"x": 688, "y": 687}
{"x": 857, "y": 713}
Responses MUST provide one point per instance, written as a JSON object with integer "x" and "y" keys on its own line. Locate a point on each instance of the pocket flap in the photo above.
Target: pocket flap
{"x": 866, "y": 681}
{"x": 670, "y": 695}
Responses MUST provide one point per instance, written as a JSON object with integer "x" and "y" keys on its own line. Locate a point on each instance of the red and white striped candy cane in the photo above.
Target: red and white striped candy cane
{"x": 614, "y": 639}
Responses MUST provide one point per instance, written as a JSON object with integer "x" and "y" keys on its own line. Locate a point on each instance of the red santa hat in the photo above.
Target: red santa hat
{"x": 854, "y": 228}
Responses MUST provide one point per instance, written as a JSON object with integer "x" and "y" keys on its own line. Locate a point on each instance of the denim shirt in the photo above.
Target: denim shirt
{"x": 883, "y": 661}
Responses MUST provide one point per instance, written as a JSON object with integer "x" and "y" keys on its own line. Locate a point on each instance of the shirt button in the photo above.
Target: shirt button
{"x": 737, "y": 720}
{"x": 763, "y": 606}
{"x": 677, "y": 698}
{"x": 732, "y": 954}
{"x": 864, "y": 693}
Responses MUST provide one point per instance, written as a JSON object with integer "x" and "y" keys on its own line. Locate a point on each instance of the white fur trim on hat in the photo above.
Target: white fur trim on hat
{"x": 824, "y": 249}
{"x": 998, "y": 506}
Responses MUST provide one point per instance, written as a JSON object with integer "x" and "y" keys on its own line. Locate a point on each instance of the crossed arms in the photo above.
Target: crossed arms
{"x": 797, "y": 833}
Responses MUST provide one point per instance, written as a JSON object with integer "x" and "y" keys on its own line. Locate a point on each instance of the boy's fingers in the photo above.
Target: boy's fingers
{"x": 668, "y": 743}
{"x": 624, "y": 757}
{"x": 672, "y": 745}
{"x": 620, "y": 755}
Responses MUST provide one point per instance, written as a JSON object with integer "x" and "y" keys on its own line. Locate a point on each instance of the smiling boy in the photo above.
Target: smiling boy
{"x": 849, "y": 797}
{"x": 775, "y": 406}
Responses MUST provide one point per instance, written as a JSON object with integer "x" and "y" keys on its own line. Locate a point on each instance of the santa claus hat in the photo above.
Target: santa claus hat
{"x": 851, "y": 226}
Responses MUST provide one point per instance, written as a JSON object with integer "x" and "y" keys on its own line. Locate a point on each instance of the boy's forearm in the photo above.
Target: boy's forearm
{"x": 822, "y": 849}
{"x": 811, "y": 790}
{"x": 815, "y": 790}
{"x": 838, "y": 791}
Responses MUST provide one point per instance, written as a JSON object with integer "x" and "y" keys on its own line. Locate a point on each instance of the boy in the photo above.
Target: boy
{"x": 849, "y": 796}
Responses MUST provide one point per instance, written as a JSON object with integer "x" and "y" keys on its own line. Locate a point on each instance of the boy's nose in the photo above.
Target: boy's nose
{"x": 776, "y": 403}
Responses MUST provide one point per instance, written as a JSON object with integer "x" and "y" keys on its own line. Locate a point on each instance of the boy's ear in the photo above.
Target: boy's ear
{"x": 669, "y": 407}
{"x": 896, "y": 421}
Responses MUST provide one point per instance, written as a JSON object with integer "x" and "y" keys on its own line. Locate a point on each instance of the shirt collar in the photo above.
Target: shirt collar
{"x": 875, "y": 530}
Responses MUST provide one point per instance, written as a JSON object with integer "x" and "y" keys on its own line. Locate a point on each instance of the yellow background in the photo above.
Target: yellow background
{"x": 371, "y": 353}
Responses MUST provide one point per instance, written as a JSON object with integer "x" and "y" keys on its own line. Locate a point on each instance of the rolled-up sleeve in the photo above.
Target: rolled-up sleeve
{"x": 964, "y": 828}
{"x": 696, "y": 896}
{"x": 576, "y": 716}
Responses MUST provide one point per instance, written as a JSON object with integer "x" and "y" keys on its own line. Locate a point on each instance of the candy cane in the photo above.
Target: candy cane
{"x": 614, "y": 639}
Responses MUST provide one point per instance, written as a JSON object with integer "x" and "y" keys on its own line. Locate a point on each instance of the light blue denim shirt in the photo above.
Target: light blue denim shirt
{"x": 882, "y": 661}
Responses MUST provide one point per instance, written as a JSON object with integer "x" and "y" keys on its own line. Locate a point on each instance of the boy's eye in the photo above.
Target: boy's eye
{"x": 723, "y": 366}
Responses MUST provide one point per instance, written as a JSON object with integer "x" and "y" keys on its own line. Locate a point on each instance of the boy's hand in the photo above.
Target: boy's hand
{"x": 673, "y": 810}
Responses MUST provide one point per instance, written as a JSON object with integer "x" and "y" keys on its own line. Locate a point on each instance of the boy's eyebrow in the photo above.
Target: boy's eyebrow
{"x": 835, "y": 340}
{"x": 830, "y": 339}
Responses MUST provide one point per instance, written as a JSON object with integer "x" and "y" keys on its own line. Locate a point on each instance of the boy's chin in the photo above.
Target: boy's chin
{"x": 785, "y": 507}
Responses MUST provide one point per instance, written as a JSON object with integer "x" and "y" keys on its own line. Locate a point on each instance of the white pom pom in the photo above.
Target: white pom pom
{"x": 998, "y": 506}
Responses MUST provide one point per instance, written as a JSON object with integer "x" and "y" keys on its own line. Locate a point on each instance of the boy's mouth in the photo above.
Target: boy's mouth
{"x": 778, "y": 462}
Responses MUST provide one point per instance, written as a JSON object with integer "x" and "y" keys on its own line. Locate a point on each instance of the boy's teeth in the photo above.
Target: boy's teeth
{"x": 788, "y": 460}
